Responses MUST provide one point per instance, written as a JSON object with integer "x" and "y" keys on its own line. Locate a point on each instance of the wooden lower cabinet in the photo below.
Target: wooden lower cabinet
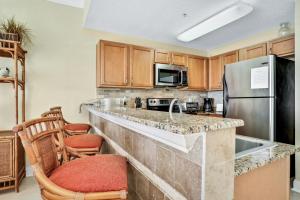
{"x": 216, "y": 71}
{"x": 271, "y": 181}
{"x": 112, "y": 64}
{"x": 197, "y": 73}
{"x": 253, "y": 51}
{"x": 283, "y": 47}
{"x": 12, "y": 161}
{"x": 141, "y": 67}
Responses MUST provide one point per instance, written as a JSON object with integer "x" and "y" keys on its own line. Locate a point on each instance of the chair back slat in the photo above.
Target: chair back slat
{"x": 38, "y": 138}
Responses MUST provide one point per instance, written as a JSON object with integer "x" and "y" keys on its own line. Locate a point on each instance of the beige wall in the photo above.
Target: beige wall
{"x": 297, "y": 32}
{"x": 61, "y": 65}
{"x": 252, "y": 40}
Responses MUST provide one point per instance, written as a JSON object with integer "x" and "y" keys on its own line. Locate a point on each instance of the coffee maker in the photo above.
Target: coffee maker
{"x": 208, "y": 105}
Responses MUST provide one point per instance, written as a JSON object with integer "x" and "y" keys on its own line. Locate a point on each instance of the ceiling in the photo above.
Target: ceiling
{"x": 73, "y": 3}
{"x": 163, "y": 20}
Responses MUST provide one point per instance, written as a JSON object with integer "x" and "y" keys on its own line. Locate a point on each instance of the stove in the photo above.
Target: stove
{"x": 159, "y": 104}
{"x": 163, "y": 104}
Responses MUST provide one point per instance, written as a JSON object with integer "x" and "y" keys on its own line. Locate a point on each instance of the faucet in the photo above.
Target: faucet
{"x": 172, "y": 105}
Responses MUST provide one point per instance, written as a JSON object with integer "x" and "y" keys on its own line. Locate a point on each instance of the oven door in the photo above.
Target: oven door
{"x": 167, "y": 75}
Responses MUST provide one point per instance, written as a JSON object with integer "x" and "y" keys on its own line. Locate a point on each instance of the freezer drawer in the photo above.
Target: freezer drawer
{"x": 257, "y": 114}
{"x": 251, "y": 78}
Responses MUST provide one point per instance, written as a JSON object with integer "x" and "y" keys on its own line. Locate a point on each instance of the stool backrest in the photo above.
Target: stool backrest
{"x": 39, "y": 137}
{"x": 59, "y": 109}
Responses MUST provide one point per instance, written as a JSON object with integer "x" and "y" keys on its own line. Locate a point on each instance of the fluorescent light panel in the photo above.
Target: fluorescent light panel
{"x": 219, "y": 20}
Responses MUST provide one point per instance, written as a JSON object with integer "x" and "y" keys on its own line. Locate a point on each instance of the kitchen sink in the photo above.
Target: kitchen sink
{"x": 247, "y": 145}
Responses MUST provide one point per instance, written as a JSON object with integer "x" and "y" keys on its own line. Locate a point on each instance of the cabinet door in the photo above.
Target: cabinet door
{"x": 113, "y": 64}
{"x": 179, "y": 59}
{"x": 197, "y": 73}
{"x": 216, "y": 71}
{"x": 141, "y": 66}
{"x": 162, "y": 57}
{"x": 6, "y": 158}
{"x": 283, "y": 46}
{"x": 253, "y": 52}
{"x": 230, "y": 57}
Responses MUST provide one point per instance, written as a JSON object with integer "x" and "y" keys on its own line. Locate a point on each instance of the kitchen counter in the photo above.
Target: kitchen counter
{"x": 184, "y": 156}
{"x": 179, "y": 143}
{"x": 263, "y": 157}
{"x": 180, "y": 124}
{"x": 212, "y": 114}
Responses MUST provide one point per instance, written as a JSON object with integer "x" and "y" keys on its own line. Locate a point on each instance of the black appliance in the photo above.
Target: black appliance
{"x": 261, "y": 91}
{"x": 208, "y": 105}
{"x": 190, "y": 107}
{"x": 138, "y": 102}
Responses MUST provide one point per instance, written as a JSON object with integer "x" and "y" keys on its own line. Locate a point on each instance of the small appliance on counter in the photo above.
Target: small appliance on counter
{"x": 208, "y": 105}
{"x": 138, "y": 102}
{"x": 190, "y": 107}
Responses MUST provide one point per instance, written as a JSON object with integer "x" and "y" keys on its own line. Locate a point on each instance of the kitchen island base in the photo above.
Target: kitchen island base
{"x": 159, "y": 171}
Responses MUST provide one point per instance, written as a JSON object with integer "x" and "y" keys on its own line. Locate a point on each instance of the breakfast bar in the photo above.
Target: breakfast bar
{"x": 183, "y": 157}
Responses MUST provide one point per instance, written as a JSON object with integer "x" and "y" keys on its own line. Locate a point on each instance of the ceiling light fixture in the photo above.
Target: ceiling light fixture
{"x": 218, "y": 20}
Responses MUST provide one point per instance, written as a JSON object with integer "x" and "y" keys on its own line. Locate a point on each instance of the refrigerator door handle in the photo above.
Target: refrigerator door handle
{"x": 226, "y": 98}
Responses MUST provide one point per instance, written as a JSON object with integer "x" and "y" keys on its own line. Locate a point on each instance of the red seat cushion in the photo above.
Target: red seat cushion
{"x": 84, "y": 141}
{"x": 92, "y": 174}
{"x": 77, "y": 127}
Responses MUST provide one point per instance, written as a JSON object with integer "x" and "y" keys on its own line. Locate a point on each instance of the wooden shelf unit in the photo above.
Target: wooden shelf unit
{"x": 12, "y": 156}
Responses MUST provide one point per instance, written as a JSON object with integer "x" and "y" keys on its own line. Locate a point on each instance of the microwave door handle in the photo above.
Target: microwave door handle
{"x": 181, "y": 77}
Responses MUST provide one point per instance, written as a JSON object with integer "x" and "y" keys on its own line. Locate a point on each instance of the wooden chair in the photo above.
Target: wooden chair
{"x": 72, "y": 128}
{"x": 77, "y": 144}
{"x": 89, "y": 178}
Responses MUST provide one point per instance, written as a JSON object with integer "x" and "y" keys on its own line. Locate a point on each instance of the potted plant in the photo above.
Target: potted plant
{"x": 10, "y": 29}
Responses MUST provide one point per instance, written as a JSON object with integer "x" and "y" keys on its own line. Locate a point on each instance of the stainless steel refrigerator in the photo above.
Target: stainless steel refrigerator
{"x": 261, "y": 91}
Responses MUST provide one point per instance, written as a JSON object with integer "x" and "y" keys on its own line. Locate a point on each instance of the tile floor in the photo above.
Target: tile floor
{"x": 30, "y": 191}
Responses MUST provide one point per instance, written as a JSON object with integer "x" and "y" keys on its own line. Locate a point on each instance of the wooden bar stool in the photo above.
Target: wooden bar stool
{"x": 89, "y": 178}
{"x": 77, "y": 144}
{"x": 74, "y": 128}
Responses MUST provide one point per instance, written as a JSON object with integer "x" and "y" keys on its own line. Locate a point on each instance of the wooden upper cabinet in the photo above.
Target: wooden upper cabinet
{"x": 141, "y": 66}
{"x": 253, "y": 51}
{"x": 197, "y": 73}
{"x": 216, "y": 71}
{"x": 283, "y": 46}
{"x": 162, "y": 56}
{"x": 179, "y": 59}
{"x": 113, "y": 64}
{"x": 230, "y": 57}
{"x": 166, "y": 57}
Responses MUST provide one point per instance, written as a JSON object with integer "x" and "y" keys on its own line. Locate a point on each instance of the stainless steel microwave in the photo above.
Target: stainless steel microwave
{"x": 170, "y": 75}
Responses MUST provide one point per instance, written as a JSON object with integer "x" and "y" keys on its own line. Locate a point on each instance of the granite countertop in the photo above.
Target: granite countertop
{"x": 210, "y": 113}
{"x": 263, "y": 157}
{"x": 181, "y": 124}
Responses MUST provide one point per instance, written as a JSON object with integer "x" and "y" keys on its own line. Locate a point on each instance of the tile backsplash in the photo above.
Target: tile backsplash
{"x": 130, "y": 94}
{"x": 184, "y": 95}
{"x": 217, "y": 95}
